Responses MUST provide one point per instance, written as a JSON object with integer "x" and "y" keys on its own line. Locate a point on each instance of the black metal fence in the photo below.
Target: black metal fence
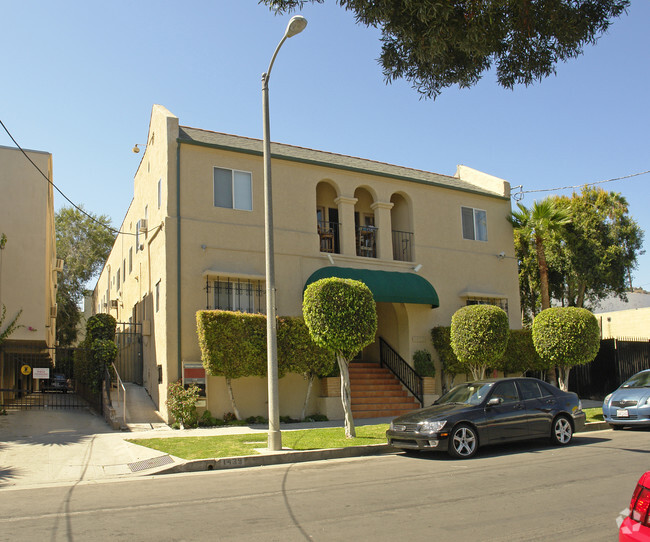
{"x": 617, "y": 360}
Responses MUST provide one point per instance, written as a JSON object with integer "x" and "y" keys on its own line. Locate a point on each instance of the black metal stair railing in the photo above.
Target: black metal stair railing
{"x": 402, "y": 370}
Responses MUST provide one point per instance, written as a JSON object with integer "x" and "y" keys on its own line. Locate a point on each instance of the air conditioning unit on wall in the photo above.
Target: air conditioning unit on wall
{"x": 114, "y": 303}
{"x": 143, "y": 225}
{"x": 58, "y": 266}
{"x": 53, "y": 311}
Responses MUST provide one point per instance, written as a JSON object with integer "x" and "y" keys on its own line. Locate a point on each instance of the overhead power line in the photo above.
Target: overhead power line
{"x": 519, "y": 195}
{"x": 77, "y": 207}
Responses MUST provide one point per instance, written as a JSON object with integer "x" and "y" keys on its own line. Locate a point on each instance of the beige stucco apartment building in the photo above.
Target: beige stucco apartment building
{"x": 193, "y": 238}
{"x": 28, "y": 265}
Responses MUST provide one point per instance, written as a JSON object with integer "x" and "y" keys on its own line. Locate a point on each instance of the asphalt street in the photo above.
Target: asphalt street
{"x": 522, "y": 492}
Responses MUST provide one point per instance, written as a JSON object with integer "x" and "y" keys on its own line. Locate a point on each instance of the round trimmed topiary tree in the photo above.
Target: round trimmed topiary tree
{"x": 479, "y": 336}
{"x": 566, "y": 337}
{"x": 342, "y": 317}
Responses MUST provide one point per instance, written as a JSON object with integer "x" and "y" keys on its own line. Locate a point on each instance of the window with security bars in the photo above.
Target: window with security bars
{"x": 502, "y": 303}
{"x": 242, "y": 295}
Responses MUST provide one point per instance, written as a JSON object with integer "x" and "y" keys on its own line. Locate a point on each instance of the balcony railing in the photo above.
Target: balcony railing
{"x": 402, "y": 246}
{"x": 329, "y": 236}
{"x": 367, "y": 241}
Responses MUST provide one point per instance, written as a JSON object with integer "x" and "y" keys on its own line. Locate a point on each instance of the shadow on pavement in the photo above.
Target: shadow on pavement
{"x": 56, "y": 427}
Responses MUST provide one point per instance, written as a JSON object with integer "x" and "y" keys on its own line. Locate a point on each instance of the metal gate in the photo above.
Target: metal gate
{"x": 128, "y": 338}
{"x": 20, "y": 385}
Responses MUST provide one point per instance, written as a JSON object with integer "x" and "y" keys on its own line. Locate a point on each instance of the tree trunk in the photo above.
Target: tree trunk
{"x": 232, "y": 399}
{"x": 345, "y": 396}
{"x": 478, "y": 372}
{"x": 564, "y": 378}
{"x": 543, "y": 272}
{"x": 580, "y": 301}
{"x": 310, "y": 381}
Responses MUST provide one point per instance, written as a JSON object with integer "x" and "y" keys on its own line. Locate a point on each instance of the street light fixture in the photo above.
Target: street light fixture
{"x": 296, "y": 25}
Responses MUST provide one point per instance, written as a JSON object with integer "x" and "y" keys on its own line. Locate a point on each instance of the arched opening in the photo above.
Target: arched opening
{"x": 327, "y": 218}
{"x": 364, "y": 221}
{"x": 402, "y": 229}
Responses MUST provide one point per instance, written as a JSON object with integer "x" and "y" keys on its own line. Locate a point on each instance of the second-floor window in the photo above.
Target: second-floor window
{"x": 474, "y": 223}
{"x": 233, "y": 189}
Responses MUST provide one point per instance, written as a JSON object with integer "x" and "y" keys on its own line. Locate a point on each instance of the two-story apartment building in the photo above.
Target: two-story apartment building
{"x": 193, "y": 238}
{"x": 28, "y": 266}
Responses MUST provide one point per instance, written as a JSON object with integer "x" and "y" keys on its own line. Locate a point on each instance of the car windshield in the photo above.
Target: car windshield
{"x": 471, "y": 393}
{"x": 639, "y": 380}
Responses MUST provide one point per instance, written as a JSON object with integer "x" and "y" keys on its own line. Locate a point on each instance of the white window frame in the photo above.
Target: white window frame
{"x": 476, "y": 230}
{"x": 234, "y": 203}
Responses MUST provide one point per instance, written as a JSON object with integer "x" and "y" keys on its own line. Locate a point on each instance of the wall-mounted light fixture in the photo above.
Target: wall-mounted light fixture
{"x": 417, "y": 267}
{"x": 501, "y": 255}
{"x": 136, "y": 147}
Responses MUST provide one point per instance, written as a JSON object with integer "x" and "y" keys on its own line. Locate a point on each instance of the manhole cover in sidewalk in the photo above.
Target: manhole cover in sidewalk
{"x": 150, "y": 463}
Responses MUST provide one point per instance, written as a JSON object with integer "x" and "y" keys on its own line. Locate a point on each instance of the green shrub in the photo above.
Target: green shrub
{"x": 479, "y": 336}
{"x": 520, "y": 355}
{"x": 317, "y": 418}
{"x": 97, "y": 351}
{"x": 423, "y": 363}
{"x": 565, "y": 337}
{"x": 181, "y": 403}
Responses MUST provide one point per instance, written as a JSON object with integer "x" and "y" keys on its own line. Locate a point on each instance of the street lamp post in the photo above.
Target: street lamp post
{"x": 296, "y": 25}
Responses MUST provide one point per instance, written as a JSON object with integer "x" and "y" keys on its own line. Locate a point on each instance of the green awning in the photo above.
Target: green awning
{"x": 386, "y": 286}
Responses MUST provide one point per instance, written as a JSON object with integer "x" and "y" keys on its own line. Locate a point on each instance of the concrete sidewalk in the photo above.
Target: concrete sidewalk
{"x": 42, "y": 447}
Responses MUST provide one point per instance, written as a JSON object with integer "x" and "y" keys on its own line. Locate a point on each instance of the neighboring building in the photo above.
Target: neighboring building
{"x": 629, "y": 319}
{"x": 28, "y": 266}
{"x": 193, "y": 238}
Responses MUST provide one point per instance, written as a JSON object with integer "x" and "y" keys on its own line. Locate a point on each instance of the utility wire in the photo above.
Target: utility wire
{"x": 519, "y": 195}
{"x": 80, "y": 209}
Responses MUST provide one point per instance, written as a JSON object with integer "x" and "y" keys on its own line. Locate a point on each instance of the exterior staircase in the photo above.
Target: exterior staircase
{"x": 377, "y": 393}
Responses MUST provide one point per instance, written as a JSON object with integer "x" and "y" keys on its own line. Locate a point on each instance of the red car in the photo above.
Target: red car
{"x": 636, "y": 526}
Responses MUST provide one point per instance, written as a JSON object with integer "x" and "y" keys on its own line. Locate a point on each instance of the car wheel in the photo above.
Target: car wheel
{"x": 463, "y": 442}
{"x": 562, "y": 431}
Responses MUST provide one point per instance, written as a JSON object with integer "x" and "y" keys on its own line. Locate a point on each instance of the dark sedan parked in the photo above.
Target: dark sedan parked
{"x": 489, "y": 412}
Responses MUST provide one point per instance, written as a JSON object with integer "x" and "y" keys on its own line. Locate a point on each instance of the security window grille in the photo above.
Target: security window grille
{"x": 236, "y": 295}
{"x": 233, "y": 189}
{"x": 474, "y": 223}
{"x": 502, "y": 303}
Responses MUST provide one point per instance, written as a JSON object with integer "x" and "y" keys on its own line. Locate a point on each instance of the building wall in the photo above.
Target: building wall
{"x": 632, "y": 324}
{"x": 27, "y": 263}
{"x": 219, "y": 242}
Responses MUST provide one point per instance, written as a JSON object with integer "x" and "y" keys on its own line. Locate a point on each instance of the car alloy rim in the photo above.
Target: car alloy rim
{"x": 563, "y": 430}
{"x": 464, "y": 441}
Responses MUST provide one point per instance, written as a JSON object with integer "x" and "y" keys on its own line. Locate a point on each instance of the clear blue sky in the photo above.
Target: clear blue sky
{"x": 79, "y": 80}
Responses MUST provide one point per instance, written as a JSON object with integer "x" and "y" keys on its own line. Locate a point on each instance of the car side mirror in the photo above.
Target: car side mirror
{"x": 495, "y": 401}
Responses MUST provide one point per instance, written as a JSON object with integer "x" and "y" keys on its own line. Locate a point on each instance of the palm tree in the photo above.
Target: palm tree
{"x": 538, "y": 225}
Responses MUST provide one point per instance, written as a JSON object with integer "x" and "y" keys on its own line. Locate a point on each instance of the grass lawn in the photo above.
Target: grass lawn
{"x": 594, "y": 414}
{"x": 237, "y": 445}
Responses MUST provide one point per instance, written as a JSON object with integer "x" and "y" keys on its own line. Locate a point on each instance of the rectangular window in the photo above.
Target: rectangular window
{"x": 159, "y": 193}
{"x": 157, "y": 299}
{"x": 241, "y": 295}
{"x": 233, "y": 189}
{"x": 130, "y": 260}
{"x": 118, "y": 279}
{"x": 124, "y": 270}
{"x": 474, "y": 223}
{"x": 137, "y": 236}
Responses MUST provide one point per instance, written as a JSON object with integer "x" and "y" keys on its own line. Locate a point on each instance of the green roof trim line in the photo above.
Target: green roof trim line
{"x": 386, "y": 286}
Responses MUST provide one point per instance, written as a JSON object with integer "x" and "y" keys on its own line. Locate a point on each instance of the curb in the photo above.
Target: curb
{"x": 274, "y": 458}
{"x": 293, "y": 456}
{"x": 595, "y": 426}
